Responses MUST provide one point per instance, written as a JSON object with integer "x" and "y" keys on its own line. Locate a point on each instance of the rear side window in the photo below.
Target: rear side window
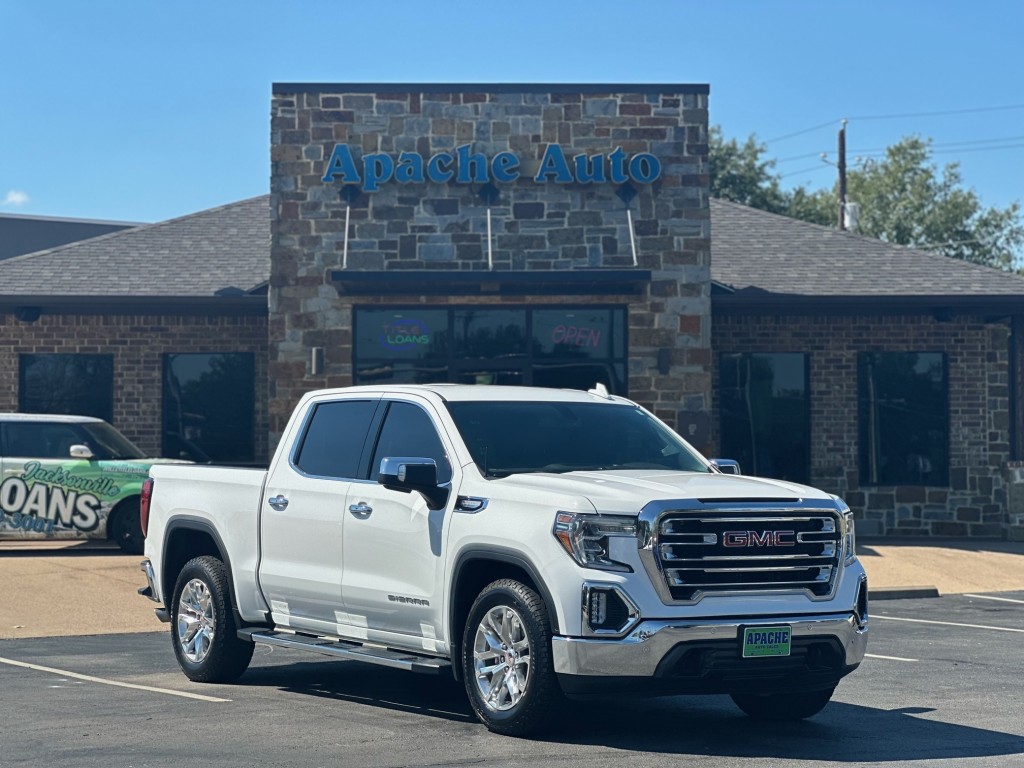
{"x": 333, "y": 442}
{"x": 42, "y": 440}
{"x": 408, "y": 431}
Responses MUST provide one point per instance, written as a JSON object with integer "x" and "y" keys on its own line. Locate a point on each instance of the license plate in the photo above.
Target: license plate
{"x": 767, "y": 641}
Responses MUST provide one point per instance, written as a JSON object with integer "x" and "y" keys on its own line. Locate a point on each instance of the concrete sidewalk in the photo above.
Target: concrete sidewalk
{"x": 87, "y": 588}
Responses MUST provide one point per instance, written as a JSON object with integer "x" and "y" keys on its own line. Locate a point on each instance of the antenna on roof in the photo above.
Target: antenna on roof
{"x": 600, "y": 390}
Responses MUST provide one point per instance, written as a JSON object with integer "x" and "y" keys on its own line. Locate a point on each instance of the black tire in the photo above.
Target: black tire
{"x": 522, "y": 702}
{"x": 125, "y": 527}
{"x": 215, "y": 654}
{"x": 783, "y": 706}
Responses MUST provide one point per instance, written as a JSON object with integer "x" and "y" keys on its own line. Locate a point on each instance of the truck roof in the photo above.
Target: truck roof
{"x": 48, "y": 417}
{"x": 461, "y": 392}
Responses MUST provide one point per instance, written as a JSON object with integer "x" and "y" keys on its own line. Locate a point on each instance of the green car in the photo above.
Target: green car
{"x": 70, "y": 477}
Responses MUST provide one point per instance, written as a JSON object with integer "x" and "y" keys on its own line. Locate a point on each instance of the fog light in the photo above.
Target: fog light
{"x": 606, "y": 610}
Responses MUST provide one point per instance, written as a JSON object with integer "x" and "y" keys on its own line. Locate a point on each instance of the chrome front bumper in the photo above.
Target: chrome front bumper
{"x": 642, "y": 650}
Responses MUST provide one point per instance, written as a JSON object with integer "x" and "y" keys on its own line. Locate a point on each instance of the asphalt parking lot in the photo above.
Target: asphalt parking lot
{"x": 942, "y": 686}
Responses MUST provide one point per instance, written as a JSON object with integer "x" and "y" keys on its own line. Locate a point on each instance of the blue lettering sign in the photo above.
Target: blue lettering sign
{"x": 553, "y": 164}
{"x": 467, "y": 167}
{"x": 341, "y": 162}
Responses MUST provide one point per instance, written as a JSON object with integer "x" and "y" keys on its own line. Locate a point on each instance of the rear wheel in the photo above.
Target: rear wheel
{"x": 506, "y": 659}
{"x": 125, "y": 527}
{"x": 783, "y": 706}
{"x": 203, "y": 627}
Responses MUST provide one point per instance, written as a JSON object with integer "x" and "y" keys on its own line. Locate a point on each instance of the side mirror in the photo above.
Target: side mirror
{"x": 726, "y": 466}
{"x": 80, "y": 452}
{"x": 413, "y": 473}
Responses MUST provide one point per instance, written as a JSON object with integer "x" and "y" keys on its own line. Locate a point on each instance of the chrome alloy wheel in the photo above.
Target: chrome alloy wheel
{"x": 196, "y": 623}
{"x": 501, "y": 657}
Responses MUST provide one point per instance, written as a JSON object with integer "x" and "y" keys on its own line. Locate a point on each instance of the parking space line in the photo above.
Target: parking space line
{"x": 947, "y": 623}
{"x": 1001, "y": 599}
{"x": 104, "y": 681}
{"x": 887, "y": 658}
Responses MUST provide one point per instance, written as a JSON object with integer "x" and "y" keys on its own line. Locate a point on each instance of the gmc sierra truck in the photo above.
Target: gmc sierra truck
{"x": 533, "y": 543}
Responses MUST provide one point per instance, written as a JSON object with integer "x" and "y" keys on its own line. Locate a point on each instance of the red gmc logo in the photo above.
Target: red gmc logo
{"x": 759, "y": 538}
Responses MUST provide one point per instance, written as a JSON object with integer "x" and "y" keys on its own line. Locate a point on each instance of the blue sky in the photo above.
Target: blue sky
{"x": 142, "y": 111}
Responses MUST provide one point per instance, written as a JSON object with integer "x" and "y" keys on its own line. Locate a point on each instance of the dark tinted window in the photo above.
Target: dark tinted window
{"x": 334, "y": 438}
{"x": 903, "y": 418}
{"x": 489, "y": 333}
{"x": 765, "y": 414}
{"x": 81, "y": 385}
{"x": 510, "y": 437}
{"x": 48, "y": 440}
{"x": 209, "y": 405}
{"x": 408, "y": 431}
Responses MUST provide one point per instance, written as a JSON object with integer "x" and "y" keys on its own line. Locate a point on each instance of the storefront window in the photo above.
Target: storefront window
{"x": 81, "y": 385}
{"x": 209, "y": 407}
{"x": 570, "y": 347}
{"x": 903, "y": 410}
{"x": 765, "y": 413}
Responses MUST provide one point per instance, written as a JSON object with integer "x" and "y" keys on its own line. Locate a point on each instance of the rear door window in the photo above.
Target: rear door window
{"x": 332, "y": 444}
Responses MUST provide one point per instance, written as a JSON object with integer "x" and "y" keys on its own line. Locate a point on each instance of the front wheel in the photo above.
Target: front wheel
{"x": 203, "y": 627}
{"x": 506, "y": 659}
{"x": 783, "y": 706}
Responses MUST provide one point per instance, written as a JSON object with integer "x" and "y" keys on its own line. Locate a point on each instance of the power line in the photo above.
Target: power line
{"x": 937, "y": 113}
{"x": 800, "y": 133}
{"x": 805, "y": 170}
{"x": 934, "y": 113}
{"x": 867, "y": 150}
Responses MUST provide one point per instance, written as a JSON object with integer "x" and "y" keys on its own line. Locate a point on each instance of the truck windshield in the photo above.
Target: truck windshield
{"x": 507, "y": 438}
{"x": 107, "y": 443}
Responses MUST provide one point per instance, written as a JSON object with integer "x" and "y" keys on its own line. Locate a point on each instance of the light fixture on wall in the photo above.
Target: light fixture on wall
{"x": 664, "y": 361}
{"x": 489, "y": 194}
{"x": 626, "y": 192}
{"x": 316, "y": 361}
{"x": 27, "y": 314}
{"x": 349, "y": 193}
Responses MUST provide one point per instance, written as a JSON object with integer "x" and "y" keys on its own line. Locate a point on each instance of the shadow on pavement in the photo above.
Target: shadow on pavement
{"x": 705, "y": 725}
{"x": 71, "y": 549}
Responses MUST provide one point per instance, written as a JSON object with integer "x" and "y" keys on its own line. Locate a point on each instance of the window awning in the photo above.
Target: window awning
{"x": 574, "y": 282}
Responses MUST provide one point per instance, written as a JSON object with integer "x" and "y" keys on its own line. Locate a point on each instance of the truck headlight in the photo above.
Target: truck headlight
{"x": 587, "y": 538}
{"x": 849, "y": 533}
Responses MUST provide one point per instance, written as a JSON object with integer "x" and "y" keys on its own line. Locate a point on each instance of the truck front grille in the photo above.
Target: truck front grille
{"x": 761, "y": 551}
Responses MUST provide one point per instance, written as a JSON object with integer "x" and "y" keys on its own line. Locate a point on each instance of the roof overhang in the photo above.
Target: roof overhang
{"x": 571, "y": 282}
{"x": 746, "y": 302}
{"x": 28, "y": 306}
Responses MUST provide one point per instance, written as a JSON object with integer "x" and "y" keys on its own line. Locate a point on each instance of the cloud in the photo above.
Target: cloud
{"x": 14, "y": 198}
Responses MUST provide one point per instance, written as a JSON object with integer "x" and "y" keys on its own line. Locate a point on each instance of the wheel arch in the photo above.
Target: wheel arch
{"x": 187, "y": 537}
{"x": 475, "y": 568}
{"x": 118, "y": 509}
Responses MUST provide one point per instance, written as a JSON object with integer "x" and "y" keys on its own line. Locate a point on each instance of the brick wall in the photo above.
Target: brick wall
{"x": 974, "y": 503}
{"x": 536, "y": 227}
{"x": 137, "y": 344}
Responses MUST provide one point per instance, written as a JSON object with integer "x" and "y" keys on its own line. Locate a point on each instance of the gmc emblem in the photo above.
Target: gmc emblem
{"x": 759, "y": 538}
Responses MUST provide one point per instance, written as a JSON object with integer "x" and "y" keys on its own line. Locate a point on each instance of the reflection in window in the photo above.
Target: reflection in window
{"x": 209, "y": 407}
{"x": 903, "y": 418}
{"x": 567, "y": 347}
{"x": 765, "y": 414}
{"x": 81, "y": 385}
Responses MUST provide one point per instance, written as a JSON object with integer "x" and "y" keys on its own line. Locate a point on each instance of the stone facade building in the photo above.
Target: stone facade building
{"x": 512, "y": 207}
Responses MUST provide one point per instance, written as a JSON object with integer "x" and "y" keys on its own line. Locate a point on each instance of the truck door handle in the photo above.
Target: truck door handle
{"x": 360, "y": 510}
{"x": 278, "y": 502}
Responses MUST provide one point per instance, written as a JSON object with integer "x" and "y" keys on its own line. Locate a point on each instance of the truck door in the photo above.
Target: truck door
{"x": 394, "y": 567}
{"x": 303, "y": 514}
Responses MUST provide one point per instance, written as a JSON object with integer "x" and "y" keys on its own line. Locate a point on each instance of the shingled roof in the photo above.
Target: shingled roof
{"x": 27, "y": 234}
{"x": 217, "y": 254}
{"x": 763, "y": 257}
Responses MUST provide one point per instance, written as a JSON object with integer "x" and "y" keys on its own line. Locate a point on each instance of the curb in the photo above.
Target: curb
{"x": 901, "y": 593}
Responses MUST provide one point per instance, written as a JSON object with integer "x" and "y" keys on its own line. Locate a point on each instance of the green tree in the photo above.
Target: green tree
{"x": 740, "y": 173}
{"x": 903, "y": 198}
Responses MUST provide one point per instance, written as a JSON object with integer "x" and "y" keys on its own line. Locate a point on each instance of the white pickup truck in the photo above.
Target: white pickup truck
{"x": 533, "y": 543}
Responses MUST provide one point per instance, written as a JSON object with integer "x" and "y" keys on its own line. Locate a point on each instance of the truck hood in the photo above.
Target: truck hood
{"x": 627, "y": 491}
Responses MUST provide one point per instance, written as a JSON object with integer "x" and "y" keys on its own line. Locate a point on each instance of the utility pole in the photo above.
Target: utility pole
{"x": 842, "y": 176}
